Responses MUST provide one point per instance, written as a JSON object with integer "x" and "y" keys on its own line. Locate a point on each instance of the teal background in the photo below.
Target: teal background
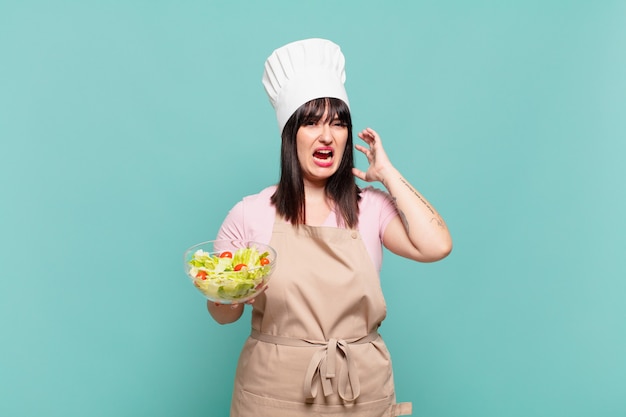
{"x": 129, "y": 128}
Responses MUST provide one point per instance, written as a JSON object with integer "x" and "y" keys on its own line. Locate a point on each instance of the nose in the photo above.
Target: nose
{"x": 326, "y": 136}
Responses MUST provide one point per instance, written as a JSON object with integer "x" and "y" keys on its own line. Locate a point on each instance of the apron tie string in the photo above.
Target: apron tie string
{"x": 323, "y": 364}
{"x": 322, "y": 367}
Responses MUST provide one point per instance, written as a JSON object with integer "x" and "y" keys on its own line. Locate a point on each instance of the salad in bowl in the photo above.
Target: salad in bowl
{"x": 229, "y": 271}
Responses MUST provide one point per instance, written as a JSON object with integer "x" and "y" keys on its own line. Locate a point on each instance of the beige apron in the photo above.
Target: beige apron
{"x": 314, "y": 348}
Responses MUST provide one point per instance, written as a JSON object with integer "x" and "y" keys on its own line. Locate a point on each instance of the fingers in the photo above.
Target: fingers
{"x": 251, "y": 301}
{"x": 359, "y": 174}
{"x": 369, "y": 135}
{"x": 362, "y": 149}
{"x": 368, "y": 152}
{"x": 232, "y": 306}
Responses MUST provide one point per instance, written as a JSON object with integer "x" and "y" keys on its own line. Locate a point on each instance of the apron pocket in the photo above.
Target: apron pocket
{"x": 249, "y": 404}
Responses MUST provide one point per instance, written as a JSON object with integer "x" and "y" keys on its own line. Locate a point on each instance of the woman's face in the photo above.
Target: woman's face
{"x": 320, "y": 148}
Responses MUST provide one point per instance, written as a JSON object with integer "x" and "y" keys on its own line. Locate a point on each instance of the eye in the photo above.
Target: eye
{"x": 309, "y": 122}
{"x": 338, "y": 123}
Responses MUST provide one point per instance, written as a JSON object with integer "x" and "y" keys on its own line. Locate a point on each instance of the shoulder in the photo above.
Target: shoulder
{"x": 376, "y": 208}
{"x": 260, "y": 198}
{"x": 255, "y": 206}
{"x": 251, "y": 218}
{"x": 371, "y": 196}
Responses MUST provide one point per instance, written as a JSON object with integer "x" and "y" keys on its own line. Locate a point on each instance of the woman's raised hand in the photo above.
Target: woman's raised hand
{"x": 375, "y": 154}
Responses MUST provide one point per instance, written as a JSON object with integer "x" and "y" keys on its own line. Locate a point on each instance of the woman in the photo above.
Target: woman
{"x": 314, "y": 347}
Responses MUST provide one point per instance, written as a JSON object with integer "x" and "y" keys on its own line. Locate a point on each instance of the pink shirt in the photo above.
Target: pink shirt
{"x": 253, "y": 219}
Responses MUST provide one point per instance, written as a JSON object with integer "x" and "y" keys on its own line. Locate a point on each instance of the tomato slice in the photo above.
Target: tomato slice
{"x": 264, "y": 261}
{"x": 226, "y": 254}
{"x": 201, "y": 275}
{"x": 239, "y": 266}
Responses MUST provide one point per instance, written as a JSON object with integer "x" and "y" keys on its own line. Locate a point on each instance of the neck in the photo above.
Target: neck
{"x": 315, "y": 190}
{"x": 318, "y": 205}
{"x": 314, "y": 194}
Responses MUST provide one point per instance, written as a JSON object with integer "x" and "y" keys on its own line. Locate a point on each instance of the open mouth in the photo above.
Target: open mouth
{"x": 323, "y": 154}
{"x": 323, "y": 157}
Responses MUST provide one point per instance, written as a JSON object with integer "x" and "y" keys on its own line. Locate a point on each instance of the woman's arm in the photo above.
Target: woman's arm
{"x": 418, "y": 232}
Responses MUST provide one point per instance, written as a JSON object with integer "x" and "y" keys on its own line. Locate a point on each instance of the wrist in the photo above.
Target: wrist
{"x": 386, "y": 173}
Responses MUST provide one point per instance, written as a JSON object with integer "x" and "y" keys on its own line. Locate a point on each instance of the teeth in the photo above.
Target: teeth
{"x": 324, "y": 154}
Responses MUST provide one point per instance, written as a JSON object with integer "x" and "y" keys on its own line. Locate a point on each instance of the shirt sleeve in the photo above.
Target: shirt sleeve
{"x": 251, "y": 219}
{"x": 377, "y": 209}
{"x": 233, "y": 226}
{"x": 388, "y": 211}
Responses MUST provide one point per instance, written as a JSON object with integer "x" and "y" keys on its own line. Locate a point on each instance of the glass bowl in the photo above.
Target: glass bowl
{"x": 229, "y": 271}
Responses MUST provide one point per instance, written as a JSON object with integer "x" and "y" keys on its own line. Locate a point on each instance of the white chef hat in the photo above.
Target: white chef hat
{"x": 302, "y": 71}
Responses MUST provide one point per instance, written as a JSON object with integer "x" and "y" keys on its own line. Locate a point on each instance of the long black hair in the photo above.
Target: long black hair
{"x": 341, "y": 187}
